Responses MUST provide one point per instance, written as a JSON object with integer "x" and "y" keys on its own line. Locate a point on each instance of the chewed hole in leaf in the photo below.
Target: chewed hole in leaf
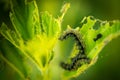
{"x": 111, "y": 23}
{"x": 103, "y": 23}
{"x": 97, "y": 25}
{"x": 97, "y": 37}
{"x": 83, "y": 22}
{"x": 92, "y": 18}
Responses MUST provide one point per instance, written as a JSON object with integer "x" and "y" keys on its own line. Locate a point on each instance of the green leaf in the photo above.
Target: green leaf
{"x": 28, "y": 47}
{"x": 17, "y": 62}
{"x": 22, "y": 18}
{"x": 94, "y": 34}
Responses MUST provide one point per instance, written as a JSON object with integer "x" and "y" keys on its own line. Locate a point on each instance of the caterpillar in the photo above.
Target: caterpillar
{"x": 81, "y": 57}
{"x": 75, "y": 34}
{"x": 76, "y": 62}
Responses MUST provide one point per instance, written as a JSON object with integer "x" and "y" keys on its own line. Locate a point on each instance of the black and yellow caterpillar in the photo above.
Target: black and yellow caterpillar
{"x": 81, "y": 57}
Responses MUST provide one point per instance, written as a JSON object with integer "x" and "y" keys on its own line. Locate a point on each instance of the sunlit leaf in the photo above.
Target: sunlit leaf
{"x": 94, "y": 35}
{"x": 28, "y": 47}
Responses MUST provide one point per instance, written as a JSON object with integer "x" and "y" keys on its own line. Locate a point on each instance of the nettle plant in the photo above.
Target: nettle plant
{"x": 27, "y": 48}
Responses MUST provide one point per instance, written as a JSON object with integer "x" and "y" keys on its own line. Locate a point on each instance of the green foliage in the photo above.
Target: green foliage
{"x": 25, "y": 47}
{"x": 28, "y": 46}
{"x": 94, "y": 35}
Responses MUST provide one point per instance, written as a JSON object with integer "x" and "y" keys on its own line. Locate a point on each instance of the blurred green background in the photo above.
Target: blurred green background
{"x": 108, "y": 65}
